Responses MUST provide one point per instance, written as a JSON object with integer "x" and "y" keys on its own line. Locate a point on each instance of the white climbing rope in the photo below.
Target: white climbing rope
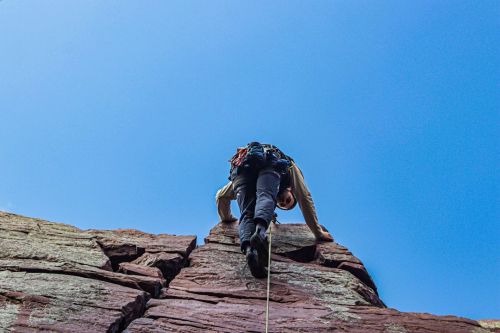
{"x": 268, "y": 280}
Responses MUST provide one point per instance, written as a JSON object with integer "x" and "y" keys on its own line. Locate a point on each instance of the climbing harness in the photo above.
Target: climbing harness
{"x": 257, "y": 155}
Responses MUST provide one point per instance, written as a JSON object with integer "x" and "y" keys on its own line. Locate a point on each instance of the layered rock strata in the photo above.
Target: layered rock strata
{"x": 314, "y": 288}
{"x": 57, "y": 278}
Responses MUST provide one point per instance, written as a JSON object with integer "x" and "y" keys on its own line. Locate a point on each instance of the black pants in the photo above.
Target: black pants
{"x": 256, "y": 193}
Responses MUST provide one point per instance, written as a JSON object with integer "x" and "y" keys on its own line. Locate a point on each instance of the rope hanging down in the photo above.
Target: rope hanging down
{"x": 268, "y": 280}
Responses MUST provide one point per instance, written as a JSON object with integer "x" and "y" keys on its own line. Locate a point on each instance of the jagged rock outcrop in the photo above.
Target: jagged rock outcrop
{"x": 55, "y": 277}
{"x": 136, "y": 252}
{"x": 314, "y": 288}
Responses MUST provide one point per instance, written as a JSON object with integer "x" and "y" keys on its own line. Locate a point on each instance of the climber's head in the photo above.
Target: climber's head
{"x": 286, "y": 199}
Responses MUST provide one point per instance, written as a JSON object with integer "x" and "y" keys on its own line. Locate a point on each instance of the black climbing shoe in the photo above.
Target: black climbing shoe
{"x": 258, "y": 271}
{"x": 259, "y": 242}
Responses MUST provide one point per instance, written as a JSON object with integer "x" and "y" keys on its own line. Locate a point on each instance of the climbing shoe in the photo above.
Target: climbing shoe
{"x": 259, "y": 242}
{"x": 258, "y": 271}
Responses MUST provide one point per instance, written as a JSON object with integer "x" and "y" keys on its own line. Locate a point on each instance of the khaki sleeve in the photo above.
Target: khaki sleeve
{"x": 223, "y": 201}
{"x": 304, "y": 199}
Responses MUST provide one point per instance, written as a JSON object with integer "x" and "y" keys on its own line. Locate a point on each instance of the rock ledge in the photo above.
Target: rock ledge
{"x": 58, "y": 278}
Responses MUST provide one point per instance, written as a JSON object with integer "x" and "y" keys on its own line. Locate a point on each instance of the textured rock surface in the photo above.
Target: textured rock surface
{"x": 314, "y": 288}
{"x": 23, "y": 238}
{"x": 31, "y": 302}
{"x": 493, "y": 325}
{"x": 168, "y": 253}
{"x": 57, "y": 278}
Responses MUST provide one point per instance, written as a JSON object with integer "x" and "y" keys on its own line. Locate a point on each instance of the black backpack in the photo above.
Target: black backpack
{"x": 257, "y": 155}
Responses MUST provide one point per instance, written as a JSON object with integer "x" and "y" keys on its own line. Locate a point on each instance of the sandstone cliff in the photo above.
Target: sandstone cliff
{"x": 58, "y": 278}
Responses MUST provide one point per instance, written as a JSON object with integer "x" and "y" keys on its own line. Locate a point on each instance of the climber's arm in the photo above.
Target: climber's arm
{"x": 223, "y": 201}
{"x": 306, "y": 204}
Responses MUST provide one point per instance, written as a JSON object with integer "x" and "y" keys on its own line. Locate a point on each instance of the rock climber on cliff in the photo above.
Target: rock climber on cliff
{"x": 261, "y": 178}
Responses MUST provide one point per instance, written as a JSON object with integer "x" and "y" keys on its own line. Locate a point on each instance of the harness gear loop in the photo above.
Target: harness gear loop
{"x": 268, "y": 280}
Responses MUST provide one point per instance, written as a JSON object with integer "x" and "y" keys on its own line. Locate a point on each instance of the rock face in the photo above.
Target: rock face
{"x": 314, "y": 288}
{"x": 55, "y": 277}
{"x": 58, "y": 278}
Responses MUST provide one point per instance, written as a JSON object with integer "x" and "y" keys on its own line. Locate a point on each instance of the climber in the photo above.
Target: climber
{"x": 261, "y": 178}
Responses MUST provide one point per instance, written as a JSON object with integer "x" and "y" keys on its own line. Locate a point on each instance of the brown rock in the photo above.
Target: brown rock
{"x": 119, "y": 242}
{"x": 218, "y": 296}
{"x": 167, "y": 252}
{"x": 34, "y": 302}
{"x": 34, "y": 239}
{"x": 56, "y": 278}
{"x": 169, "y": 264}
{"x": 136, "y": 269}
{"x": 224, "y": 233}
{"x": 296, "y": 241}
{"x": 326, "y": 291}
{"x": 146, "y": 283}
{"x": 332, "y": 254}
{"x": 34, "y": 245}
{"x": 337, "y": 256}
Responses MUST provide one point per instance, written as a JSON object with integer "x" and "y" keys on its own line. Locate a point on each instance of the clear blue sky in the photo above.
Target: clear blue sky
{"x": 123, "y": 114}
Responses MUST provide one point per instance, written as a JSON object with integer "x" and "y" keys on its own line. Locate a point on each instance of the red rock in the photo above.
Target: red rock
{"x": 42, "y": 241}
{"x": 56, "y": 278}
{"x": 330, "y": 293}
{"x": 119, "y": 242}
{"x": 167, "y": 252}
{"x": 169, "y": 264}
{"x": 34, "y": 245}
{"x": 34, "y": 302}
{"x": 135, "y": 269}
{"x": 146, "y": 283}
